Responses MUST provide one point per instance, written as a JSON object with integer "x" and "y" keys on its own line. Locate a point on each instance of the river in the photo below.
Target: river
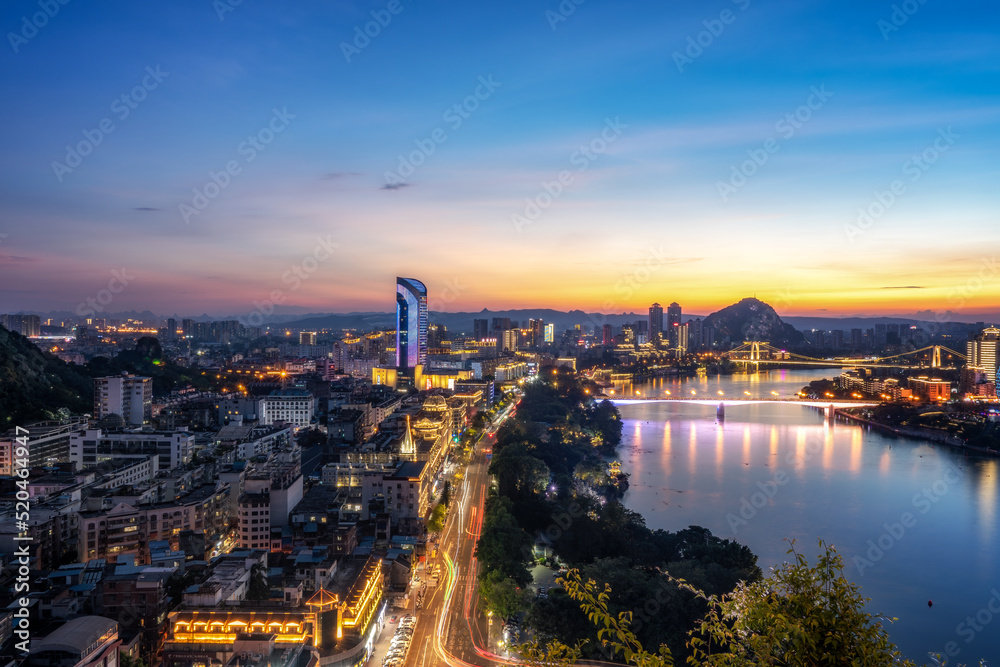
{"x": 914, "y": 521}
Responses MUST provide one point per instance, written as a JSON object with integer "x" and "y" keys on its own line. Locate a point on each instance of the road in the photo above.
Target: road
{"x": 451, "y": 630}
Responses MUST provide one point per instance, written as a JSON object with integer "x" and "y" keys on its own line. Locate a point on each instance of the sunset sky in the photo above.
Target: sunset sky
{"x": 640, "y": 216}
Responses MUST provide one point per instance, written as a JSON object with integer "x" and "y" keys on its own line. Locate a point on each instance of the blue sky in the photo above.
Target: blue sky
{"x": 647, "y": 217}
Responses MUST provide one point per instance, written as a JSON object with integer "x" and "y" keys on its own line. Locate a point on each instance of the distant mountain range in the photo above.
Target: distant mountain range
{"x": 296, "y": 318}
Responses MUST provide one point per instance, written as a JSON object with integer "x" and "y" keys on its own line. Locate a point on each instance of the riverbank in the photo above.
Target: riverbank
{"x": 916, "y": 432}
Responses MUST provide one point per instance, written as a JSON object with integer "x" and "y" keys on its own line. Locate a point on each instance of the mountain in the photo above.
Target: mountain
{"x": 33, "y": 383}
{"x": 752, "y": 319}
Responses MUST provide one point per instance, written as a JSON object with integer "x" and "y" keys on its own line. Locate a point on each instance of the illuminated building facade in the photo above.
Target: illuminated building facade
{"x": 550, "y": 333}
{"x": 332, "y": 621}
{"x": 655, "y": 322}
{"x": 411, "y": 323}
{"x": 982, "y": 352}
{"x": 673, "y": 322}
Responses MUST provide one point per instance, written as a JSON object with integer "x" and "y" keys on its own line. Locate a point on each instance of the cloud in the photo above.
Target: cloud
{"x": 333, "y": 175}
{"x": 395, "y": 186}
{"x": 905, "y": 287}
{"x": 146, "y": 208}
{"x": 18, "y": 259}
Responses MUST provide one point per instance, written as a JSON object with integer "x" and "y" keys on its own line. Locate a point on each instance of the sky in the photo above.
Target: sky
{"x": 834, "y": 158}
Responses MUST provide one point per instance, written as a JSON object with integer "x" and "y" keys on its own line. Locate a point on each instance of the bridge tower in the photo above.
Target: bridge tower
{"x": 755, "y": 351}
{"x": 936, "y": 357}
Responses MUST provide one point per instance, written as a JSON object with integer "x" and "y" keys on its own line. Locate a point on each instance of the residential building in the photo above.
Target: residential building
{"x": 129, "y": 396}
{"x": 294, "y": 406}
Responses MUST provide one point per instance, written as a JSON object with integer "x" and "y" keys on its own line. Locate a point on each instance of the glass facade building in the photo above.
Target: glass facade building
{"x": 411, "y": 323}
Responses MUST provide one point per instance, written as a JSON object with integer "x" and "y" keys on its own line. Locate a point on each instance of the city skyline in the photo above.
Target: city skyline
{"x": 835, "y": 157}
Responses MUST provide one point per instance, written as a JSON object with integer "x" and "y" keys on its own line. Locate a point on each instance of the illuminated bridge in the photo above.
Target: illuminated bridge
{"x": 760, "y": 352}
{"x": 716, "y": 402}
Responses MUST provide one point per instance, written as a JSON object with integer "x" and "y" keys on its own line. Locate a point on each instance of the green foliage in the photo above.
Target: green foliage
{"x": 503, "y": 545}
{"x": 435, "y": 524}
{"x": 519, "y": 475}
{"x": 126, "y": 660}
{"x": 34, "y": 384}
{"x": 446, "y": 494}
{"x": 801, "y": 616}
{"x": 502, "y": 595}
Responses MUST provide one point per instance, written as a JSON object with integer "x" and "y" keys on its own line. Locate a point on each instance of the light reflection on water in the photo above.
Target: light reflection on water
{"x": 844, "y": 484}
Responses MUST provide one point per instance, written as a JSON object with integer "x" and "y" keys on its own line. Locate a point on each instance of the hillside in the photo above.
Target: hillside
{"x": 34, "y": 384}
{"x": 752, "y": 319}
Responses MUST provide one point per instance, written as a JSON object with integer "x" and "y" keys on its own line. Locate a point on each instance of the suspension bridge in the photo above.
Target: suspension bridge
{"x": 758, "y": 353}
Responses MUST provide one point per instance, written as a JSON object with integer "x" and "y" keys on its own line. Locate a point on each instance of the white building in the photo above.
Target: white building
{"x": 89, "y": 447}
{"x": 129, "y": 396}
{"x": 295, "y": 406}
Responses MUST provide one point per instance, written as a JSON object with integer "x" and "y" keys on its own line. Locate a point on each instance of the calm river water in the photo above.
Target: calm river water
{"x": 914, "y": 521}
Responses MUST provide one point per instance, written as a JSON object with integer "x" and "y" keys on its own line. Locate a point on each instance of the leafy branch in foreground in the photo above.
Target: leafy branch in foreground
{"x": 800, "y": 616}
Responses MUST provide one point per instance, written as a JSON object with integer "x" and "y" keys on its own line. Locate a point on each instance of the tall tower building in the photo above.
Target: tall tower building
{"x": 480, "y": 329}
{"x": 982, "y": 353}
{"x": 607, "y": 335}
{"x": 655, "y": 322}
{"x": 411, "y": 323}
{"x": 673, "y": 322}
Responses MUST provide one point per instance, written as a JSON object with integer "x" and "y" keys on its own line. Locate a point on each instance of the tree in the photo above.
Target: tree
{"x": 435, "y": 524}
{"x": 801, "y": 616}
{"x": 446, "y": 494}
{"x": 126, "y": 660}
{"x": 502, "y": 595}
{"x": 503, "y": 545}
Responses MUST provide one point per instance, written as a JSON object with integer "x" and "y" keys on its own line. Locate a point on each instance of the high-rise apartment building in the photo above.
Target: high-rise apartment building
{"x": 981, "y": 352}
{"x": 26, "y": 325}
{"x": 608, "y": 335}
{"x": 550, "y": 333}
{"x": 673, "y": 322}
{"x": 481, "y": 329}
{"x": 129, "y": 396}
{"x": 411, "y": 323}
{"x": 655, "y": 322}
{"x": 307, "y": 338}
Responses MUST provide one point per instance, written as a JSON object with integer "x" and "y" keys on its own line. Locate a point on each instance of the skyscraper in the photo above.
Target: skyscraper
{"x": 550, "y": 333}
{"x": 608, "y": 336}
{"x": 481, "y": 329}
{"x": 655, "y": 322}
{"x": 982, "y": 352}
{"x": 411, "y": 323}
{"x": 673, "y": 322}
